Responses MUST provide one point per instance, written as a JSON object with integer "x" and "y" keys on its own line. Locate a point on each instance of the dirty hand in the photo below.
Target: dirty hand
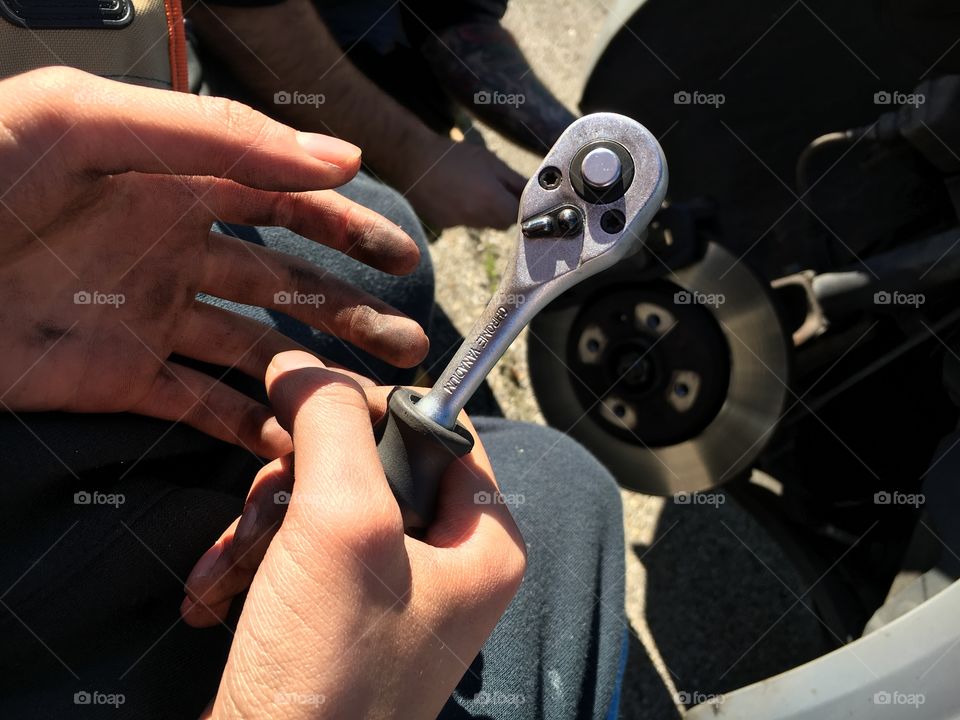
{"x": 107, "y": 197}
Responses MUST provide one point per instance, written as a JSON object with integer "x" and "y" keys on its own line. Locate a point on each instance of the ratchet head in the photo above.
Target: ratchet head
{"x": 588, "y": 205}
{"x": 586, "y": 208}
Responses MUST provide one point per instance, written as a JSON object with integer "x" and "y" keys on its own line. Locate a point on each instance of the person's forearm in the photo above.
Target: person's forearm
{"x": 285, "y": 53}
{"x": 482, "y": 66}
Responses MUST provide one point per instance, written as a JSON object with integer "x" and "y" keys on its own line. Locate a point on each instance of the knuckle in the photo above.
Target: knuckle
{"x": 240, "y": 120}
{"x": 250, "y": 423}
{"x": 495, "y": 579}
{"x": 200, "y": 411}
{"x": 267, "y": 348}
{"x": 364, "y": 544}
{"x": 366, "y": 529}
{"x": 361, "y": 322}
{"x": 511, "y": 566}
{"x": 49, "y": 95}
{"x": 334, "y": 400}
{"x": 285, "y": 209}
{"x": 371, "y": 531}
{"x": 56, "y": 77}
{"x": 340, "y": 393}
{"x": 505, "y": 563}
{"x": 361, "y": 228}
{"x": 302, "y": 276}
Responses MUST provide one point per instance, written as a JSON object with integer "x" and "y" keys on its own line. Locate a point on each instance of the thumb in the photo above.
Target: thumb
{"x": 336, "y": 464}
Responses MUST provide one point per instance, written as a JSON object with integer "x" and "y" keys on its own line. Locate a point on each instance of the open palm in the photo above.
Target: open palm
{"x": 106, "y": 210}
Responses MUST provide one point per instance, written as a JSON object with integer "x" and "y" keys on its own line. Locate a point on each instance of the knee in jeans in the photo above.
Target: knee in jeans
{"x": 586, "y": 480}
{"x": 551, "y": 469}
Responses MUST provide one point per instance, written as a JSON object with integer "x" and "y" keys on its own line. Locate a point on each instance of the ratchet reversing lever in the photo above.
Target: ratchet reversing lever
{"x": 586, "y": 208}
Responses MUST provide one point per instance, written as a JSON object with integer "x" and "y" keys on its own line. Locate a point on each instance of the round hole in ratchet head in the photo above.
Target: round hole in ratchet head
{"x": 550, "y": 178}
{"x": 602, "y": 171}
{"x": 612, "y": 222}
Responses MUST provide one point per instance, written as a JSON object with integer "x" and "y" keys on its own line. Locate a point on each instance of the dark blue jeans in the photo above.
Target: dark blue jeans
{"x": 89, "y": 594}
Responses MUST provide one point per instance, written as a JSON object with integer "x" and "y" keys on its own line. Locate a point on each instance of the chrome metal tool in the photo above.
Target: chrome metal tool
{"x": 586, "y": 208}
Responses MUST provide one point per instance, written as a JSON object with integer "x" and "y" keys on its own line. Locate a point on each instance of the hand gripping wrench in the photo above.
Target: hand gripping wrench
{"x": 586, "y": 208}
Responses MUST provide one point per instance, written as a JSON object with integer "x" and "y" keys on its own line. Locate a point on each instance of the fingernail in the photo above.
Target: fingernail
{"x": 330, "y": 149}
{"x": 294, "y": 360}
{"x": 204, "y": 566}
{"x": 247, "y": 525}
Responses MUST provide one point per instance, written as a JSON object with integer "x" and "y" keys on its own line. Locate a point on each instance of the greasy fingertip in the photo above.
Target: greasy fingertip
{"x": 400, "y": 341}
{"x": 404, "y": 257}
{"x": 376, "y": 240}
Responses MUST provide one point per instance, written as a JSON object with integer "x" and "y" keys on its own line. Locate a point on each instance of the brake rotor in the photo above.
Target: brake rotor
{"x": 675, "y": 385}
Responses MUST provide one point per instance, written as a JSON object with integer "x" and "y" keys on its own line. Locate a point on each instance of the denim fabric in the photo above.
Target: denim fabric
{"x": 91, "y": 593}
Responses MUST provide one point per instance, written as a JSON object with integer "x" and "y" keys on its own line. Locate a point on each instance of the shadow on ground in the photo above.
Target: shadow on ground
{"x": 722, "y": 606}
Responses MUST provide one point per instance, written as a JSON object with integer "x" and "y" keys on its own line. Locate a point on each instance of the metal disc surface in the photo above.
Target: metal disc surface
{"x": 675, "y": 385}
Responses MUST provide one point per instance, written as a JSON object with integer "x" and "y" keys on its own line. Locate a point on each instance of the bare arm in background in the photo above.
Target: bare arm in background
{"x": 287, "y": 47}
{"x": 483, "y": 68}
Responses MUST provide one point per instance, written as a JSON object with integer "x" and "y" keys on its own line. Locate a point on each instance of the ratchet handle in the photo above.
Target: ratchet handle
{"x": 415, "y": 451}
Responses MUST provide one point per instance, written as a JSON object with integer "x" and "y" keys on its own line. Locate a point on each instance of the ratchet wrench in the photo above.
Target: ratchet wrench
{"x": 586, "y": 208}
